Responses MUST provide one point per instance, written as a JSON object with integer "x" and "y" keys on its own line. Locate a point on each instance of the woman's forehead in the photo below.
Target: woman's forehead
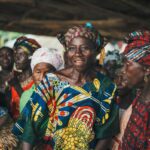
{"x": 80, "y": 41}
{"x": 20, "y": 50}
{"x": 6, "y": 51}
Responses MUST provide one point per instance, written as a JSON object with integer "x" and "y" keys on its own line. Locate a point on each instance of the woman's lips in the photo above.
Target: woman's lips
{"x": 78, "y": 60}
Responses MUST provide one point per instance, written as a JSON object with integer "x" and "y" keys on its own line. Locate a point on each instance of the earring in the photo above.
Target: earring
{"x": 146, "y": 78}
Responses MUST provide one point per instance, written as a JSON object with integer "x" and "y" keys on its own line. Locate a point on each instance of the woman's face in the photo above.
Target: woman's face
{"x": 81, "y": 53}
{"x": 6, "y": 58}
{"x": 130, "y": 75}
{"x": 21, "y": 59}
{"x": 40, "y": 71}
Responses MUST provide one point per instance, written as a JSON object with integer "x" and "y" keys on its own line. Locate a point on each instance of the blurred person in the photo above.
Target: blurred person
{"x": 6, "y": 75}
{"x": 134, "y": 80}
{"x": 7, "y": 139}
{"x": 23, "y": 50}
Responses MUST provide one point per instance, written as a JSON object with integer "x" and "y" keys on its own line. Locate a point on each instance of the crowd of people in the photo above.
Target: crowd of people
{"x": 76, "y": 102}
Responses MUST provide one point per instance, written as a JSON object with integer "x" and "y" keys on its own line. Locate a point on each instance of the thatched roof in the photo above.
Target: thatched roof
{"x": 114, "y": 18}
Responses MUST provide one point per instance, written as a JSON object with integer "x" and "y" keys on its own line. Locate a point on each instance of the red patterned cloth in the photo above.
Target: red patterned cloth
{"x": 137, "y": 133}
{"x": 15, "y": 99}
{"x": 138, "y": 48}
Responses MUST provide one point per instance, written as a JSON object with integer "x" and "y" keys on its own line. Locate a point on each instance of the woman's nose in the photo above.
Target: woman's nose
{"x": 41, "y": 76}
{"x": 78, "y": 52}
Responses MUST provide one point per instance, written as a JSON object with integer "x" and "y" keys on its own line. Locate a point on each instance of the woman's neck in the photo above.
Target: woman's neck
{"x": 75, "y": 76}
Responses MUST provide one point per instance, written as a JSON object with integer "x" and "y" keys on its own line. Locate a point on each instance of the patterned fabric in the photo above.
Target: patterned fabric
{"x": 46, "y": 55}
{"x": 15, "y": 99}
{"x": 27, "y": 44}
{"x": 87, "y": 31}
{"x": 137, "y": 133}
{"x": 138, "y": 48}
{"x": 25, "y": 96}
{"x": 65, "y": 116}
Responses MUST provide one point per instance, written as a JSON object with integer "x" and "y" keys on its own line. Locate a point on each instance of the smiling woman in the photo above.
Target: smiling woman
{"x": 71, "y": 108}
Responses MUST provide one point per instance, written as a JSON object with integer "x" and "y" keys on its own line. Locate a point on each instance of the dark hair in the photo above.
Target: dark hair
{"x": 7, "y": 48}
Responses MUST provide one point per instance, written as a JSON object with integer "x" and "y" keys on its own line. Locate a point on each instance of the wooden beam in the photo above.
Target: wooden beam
{"x": 137, "y": 6}
{"x": 115, "y": 28}
{"x": 18, "y": 1}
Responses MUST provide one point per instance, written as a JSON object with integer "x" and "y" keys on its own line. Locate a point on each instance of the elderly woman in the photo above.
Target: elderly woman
{"x": 71, "y": 108}
{"x": 23, "y": 50}
{"x": 134, "y": 75}
{"x": 43, "y": 61}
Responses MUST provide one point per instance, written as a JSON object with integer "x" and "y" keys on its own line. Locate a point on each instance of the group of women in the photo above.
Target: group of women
{"x": 78, "y": 106}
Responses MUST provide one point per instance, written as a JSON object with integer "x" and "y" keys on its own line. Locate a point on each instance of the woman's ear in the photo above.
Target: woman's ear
{"x": 147, "y": 71}
{"x": 147, "y": 74}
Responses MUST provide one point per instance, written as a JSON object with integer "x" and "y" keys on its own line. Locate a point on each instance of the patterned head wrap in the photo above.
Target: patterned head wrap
{"x": 87, "y": 31}
{"x": 46, "y": 55}
{"x": 27, "y": 44}
{"x": 138, "y": 48}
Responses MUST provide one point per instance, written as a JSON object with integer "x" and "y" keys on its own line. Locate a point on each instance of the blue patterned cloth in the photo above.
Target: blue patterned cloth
{"x": 64, "y": 115}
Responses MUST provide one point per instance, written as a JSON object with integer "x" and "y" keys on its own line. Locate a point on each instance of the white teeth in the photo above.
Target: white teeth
{"x": 78, "y": 61}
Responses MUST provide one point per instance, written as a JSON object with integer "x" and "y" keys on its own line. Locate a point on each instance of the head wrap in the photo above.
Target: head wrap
{"x": 6, "y": 48}
{"x": 138, "y": 47}
{"x": 87, "y": 31}
{"x": 47, "y": 55}
{"x": 27, "y": 44}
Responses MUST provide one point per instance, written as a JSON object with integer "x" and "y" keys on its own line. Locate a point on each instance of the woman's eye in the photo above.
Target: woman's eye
{"x": 38, "y": 72}
{"x": 84, "y": 48}
{"x": 71, "y": 48}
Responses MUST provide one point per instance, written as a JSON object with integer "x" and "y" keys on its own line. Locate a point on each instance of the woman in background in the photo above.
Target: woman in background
{"x": 134, "y": 77}
{"x": 6, "y": 75}
{"x": 43, "y": 61}
{"x": 23, "y": 50}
